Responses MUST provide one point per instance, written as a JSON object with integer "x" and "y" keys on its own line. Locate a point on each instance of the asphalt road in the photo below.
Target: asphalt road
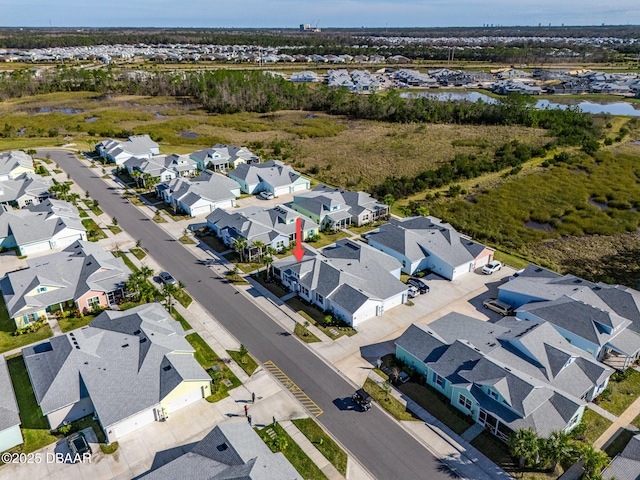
{"x": 379, "y": 443}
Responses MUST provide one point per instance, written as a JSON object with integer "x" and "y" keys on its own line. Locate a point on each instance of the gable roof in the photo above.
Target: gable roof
{"x": 9, "y": 161}
{"x": 126, "y": 361}
{"x": 419, "y": 237}
{"x": 229, "y": 451}
{"x": 79, "y": 268}
{"x": 25, "y": 184}
{"x": 9, "y": 412}
{"x": 158, "y": 164}
{"x": 320, "y": 200}
{"x": 39, "y": 222}
{"x": 208, "y": 186}
{"x": 626, "y": 465}
{"x": 134, "y": 145}
{"x": 221, "y": 153}
{"x": 273, "y": 172}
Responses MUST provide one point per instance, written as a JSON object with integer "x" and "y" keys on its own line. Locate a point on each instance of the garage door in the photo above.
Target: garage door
{"x": 227, "y": 204}
{"x": 481, "y": 262}
{"x": 193, "y": 396}
{"x": 133, "y": 423}
{"x": 298, "y": 188}
{"x": 280, "y": 191}
{"x": 35, "y": 248}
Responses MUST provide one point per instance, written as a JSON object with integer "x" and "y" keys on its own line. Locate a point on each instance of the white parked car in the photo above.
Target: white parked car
{"x": 266, "y": 195}
{"x": 413, "y": 291}
{"x": 491, "y": 267}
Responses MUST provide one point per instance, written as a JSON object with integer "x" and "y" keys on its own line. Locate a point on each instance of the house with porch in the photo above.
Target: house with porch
{"x": 427, "y": 243}
{"x": 506, "y": 375}
{"x": 10, "y": 434}
{"x": 335, "y": 208}
{"x": 222, "y": 157}
{"x": 351, "y": 280}
{"x": 15, "y": 163}
{"x": 272, "y": 176}
{"x": 200, "y": 195}
{"x": 274, "y": 227}
{"x": 163, "y": 167}
{"x": 82, "y": 277}
{"x": 128, "y": 368}
{"x": 49, "y": 225}
{"x": 602, "y": 319}
{"x": 135, "y": 146}
{"x": 25, "y": 189}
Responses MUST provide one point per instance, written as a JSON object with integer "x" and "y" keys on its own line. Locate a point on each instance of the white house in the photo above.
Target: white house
{"x": 272, "y": 176}
{"x": 10, "y": 434}
{"x": 135, "y": 146}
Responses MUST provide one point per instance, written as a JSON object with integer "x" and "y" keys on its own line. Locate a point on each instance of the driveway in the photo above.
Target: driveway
{"x": 256, "y": 201}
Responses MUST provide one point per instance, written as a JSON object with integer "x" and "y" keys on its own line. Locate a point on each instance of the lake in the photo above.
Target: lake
{"x": 614, "y": 108}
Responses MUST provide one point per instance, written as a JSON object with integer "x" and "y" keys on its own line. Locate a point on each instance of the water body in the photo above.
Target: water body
{"x": 69, "y": 111}
{"x": 188, "y": 134}
{"x": 90, "y": 120}
{"x": 615, "y": 108}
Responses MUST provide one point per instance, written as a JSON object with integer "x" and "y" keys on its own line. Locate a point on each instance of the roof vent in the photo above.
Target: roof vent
{"x": 167, "y": 368}
{"x": 137, "y": 332}
{"x": 143, "y": 339}
{"x": 125, "y": 345}
{"x": 538, "y": 269}
{"x": 86, "y": 363}
{"x": 507, "y": 369}
{"x": 78, "y": 347}
{"x": 222, "y": 447}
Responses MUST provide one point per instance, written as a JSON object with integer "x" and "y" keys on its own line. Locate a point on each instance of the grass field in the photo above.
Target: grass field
{"x": 246, "y": 361}
{"x": 623, "y": 393}
{"x": 94, "y": 232}
{"x": 330, "y": 449}
{"x": 388, "y": 402}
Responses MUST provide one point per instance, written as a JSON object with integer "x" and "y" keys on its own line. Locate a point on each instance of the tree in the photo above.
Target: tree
{"x": 146, "y": 271}
{"x": 557, "y": 448}
{"x": 146, "y": 179}
{"x": 169, "y": 290}
{"x": 267, "y": 260}
{"x": 259, "y": 245}
{"x": 594, "y": 461}
{"x": 135, "y": 174}
{"x": 114, "y": 222}
{"x": 389, "y": 200}
{"x": 525, "y": 445}
{"x": 86, "y": 194}
{"x": 240, "y": 245}
{"x": 386, "y": 388}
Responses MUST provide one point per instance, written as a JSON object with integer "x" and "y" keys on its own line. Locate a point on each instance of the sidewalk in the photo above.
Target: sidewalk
{"x": 616, "y": 427}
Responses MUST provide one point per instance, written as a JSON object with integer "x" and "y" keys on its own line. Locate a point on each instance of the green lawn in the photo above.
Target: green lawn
{"x": 159, "y": 218}
{"x": 248, "y": 364}
{"x": 82, "y": 213}
{"x": 275, "y": 288}
{"x": 186, "y": 240}
{"x": 329, "y": 238}
{"x": 7, "y": 327}
{"x": 596, "y": 426}
{"x": 244, "y": 266}
{"x": 366, "y": 228}
{"x": 95, "y": 209}
{"x": 623, "y": 393}
{"x": 183, "y": 298}
{"x": 214, "y": 242}
{"x": 215, "y": 367}
{"x": 180, "y": 318}
{"x": 94, "y": 233}
{"x": 71, "y": 323}
{"x": 438, "y": 406}
{"x": 316, "y": 317}
{"x": 138, "y": 253}
{"x": 300, "y": 461}
{"x": 330, "y": 449}
{"x": 34, "y": 426}
{"x": 115, "y": 229}
{"x": 511, "y": 260}
{"x": 127, "y": 261}
{"x": 304, "y": 334}
{"x": 389, "y": 403}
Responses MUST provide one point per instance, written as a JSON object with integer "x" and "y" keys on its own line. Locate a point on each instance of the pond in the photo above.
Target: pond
{"x": 69, "y": 111}
{"x": 90, "y": 120}
{"x": 614, "y": 108}
{"x": 188, "y": 134}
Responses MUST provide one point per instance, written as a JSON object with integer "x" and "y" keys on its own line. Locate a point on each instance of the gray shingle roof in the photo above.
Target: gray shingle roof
{"x": 9, "y": 412}
{"x": 134, "y": 145}
{"x": 14, "y": 159}
{"x": 209, "y": 186}
{"x": 320, "y": 200}
{"x": 229, "y": 451}
{"x": 418, "y": 237}
{"x": 125, "y": 360}
{"x": 625, "y": 466}
{"x": 222, "y": 153}
{"x": 24, "y": 185}
{"x": 158, "y": 164}
{"x": 79, "y": 268}
{"x": 273, "y": 172}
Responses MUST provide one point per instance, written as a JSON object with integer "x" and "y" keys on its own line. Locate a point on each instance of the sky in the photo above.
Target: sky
{"x": 326, "y": 13}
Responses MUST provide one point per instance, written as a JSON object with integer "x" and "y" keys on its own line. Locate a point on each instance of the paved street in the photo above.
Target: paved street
{"x": 382, "y": 445}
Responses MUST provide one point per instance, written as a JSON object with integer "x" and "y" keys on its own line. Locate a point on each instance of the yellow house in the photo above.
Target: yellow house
{"x": 14, "y": 164}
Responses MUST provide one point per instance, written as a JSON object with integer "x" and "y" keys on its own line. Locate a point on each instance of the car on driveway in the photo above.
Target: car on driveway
{"x": 498, "y": 306}
{"x": 413, "y": 291}
{"x": 165, "y": 277}
{"x": 491, "y": 267}
{"x": 419, "y": 284}
{"x": 78, "y": 444}
{"x": 266, "y": 195}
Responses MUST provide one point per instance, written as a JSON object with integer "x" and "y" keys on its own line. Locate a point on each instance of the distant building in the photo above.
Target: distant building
{"x": 272, "y": 176}
{"x": 222, "y": 157}
{"x": 135, "y": 146}
{"x": 15, "y": 163}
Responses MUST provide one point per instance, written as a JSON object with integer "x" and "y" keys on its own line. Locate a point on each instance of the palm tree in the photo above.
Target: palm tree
{"x": 135, "y": 174}
{"x": 169, "y": 290}
{"x": 146, "y": 179}
{"x": 259, "y": 245}
{"x": 594, "y": 461}
{"x": 240, "y": 245}
{"x": 525, "y": 445}
{"x": 558, "y": 448}
{"x": 132, "y": 285}
{"x": 146, "y": 271}
{"x": 267, "y": 260}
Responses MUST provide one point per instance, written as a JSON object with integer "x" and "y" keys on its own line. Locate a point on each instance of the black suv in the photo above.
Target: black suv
{"x": 419, "y": 284}
{"x": 362, "y": 399}
{"x": 78, "y": 444}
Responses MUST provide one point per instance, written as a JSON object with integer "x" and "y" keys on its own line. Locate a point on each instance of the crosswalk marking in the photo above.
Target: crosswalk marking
{"x": 297, "y": 392}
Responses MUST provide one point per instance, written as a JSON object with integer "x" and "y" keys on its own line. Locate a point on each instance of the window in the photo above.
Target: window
{"x": 93, "y": 302}
{"x": 464, "y": 401}
{"x": 438, "y": 380}
{"x": 29, "y": 201}
{"x": 319, "y": 297}
{"x": 574, "y": 420}
{"x": 492, "y": 393}
{"x": 41, "y": 289}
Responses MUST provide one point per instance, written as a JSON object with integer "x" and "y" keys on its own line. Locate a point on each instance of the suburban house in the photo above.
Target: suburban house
{"x": 426, "y": 243}
{"x": 128, "y": 368}
{"x": 25, "y": 189}
{"x": 506, "y": 375}
{"x": 275, "y": 227}
{"x": 625, "y": 465}
{"x": 272, "y": 176}
{"x": 221, "y": 157}
{"x": 83, "y": 276}
{"x": 163, "y": 167}
{"x": 352, "y": 280}
{"x": 602, "y": 319}
{"x": 200, "y": 195}
{"x": 36, "y": 228}
{"x": 231, "y": 450}
{"x": 10, "y": 434}
{"x": 15, "y": 163}
{"x": 135, "y": 146}
{"x": 334, "y": 208}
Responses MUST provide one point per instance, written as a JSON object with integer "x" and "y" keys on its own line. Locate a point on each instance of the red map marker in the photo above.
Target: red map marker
{"x": 298, "y": 251}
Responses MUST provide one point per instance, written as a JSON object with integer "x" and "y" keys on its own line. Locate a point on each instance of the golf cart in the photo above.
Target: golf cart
{"x": 362, "y": 399}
